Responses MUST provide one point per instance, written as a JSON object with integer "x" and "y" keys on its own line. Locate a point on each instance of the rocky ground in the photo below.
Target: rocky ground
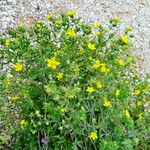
{"x": 135, "y": 13}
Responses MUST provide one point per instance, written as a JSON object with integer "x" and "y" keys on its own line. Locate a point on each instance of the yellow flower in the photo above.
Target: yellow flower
{"x": 48, "y": 89}
{"x": 106, "y": 29}
{"x": 14, "y": 98}
{"x": 18, "y": 66}
{"x": 52, "y": 63}
{"x": 7, "y": 81}
{"x": 137, "y": 92}
{"x": 62, "y": 110}
{"x": 129, "y": 29}
{"x": 37, "y": 112}
{"x": 60, "y": 75}
{"x": 81, "y": 51}
{"x": 91, "y": 46}
{"x": 71, "y": 13}
{"x": 107, "y": 103}
{"x": 139, "y": 103}
{"x": 104, "y": 69}
{"x": 129, "y": 59}
{"x": 99, "y": 84}
{"x": 23, "y": 122}
{"x": 97, "y": 25}
{"x": 39, "y": 25}
{"x": 96, "y": 64}
{"x": 124, "y": 39}
{"x": 127, "y": 114}
{"x": 93, "y": 136}
{"x": 117, "y": 20}
{"x": 7, "y": 42}
{"x": 117, "y": 92}
{"x": 49, "y": 16}
{"x": 58, "y": 22}
{"x": 70, "y": 95}
{"x": 105, "y": 98}
{"x": 71, "y": 33}
{"x": 25, "y": 95}
{"x": 140, "y": 116}
{"x": 121, "y": 62}
{"x": 96, "y": 34}
{"x": 90, "y": 90}
{"x": 76, "y": 70}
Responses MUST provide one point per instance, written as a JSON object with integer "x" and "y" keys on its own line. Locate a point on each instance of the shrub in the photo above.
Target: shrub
{"x": 69, "y": 85}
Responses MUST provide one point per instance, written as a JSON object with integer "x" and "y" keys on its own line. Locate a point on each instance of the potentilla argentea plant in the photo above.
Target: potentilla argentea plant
{"x": 69, "y": 85}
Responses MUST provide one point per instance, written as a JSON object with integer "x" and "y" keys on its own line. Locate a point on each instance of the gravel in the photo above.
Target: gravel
{"x": 135, "y": 13}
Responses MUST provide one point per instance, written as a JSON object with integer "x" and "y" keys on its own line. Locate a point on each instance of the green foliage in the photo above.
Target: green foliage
{"x": 69, "y": 85}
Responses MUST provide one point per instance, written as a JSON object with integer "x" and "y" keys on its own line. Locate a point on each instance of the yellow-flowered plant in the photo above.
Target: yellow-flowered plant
{"x": 93, "y": 136}
{"x": 67, "y": 84}
{"x": 58, "y": 22}
{"x": 23, "y": 122}
{"x": 96, "y": 34}
{"x": 137, "y": 92}
{"x": 99, "y": 84}
{"x": 18, "y": 67}
{"x": 70, "y": 95}
{"x": 37, "y": 112}
{"x": 7, "y": 42}
{"x": 127, "y": 114}
{"x": 96, "y": 64}
{"x": 49, "y": 16}
{"x": 140, "y": 116}
{"x": 76, "y": 69}
{"x": 97, "y": 25}
{"x": 117, "y": 92}
{"x": 90, "y": 89}
{"x": 81, "y": 51}
{"x": 121, "y": 62}
{"x": 139, "y": 103}
{"x": 60, "y": 75}
{"x": 48, "y": 89}
{"x": 117, "y": 20}
{"x": 71, "y": 33}
{"x": 53, "y": 63}
{"x": 14, "y": 98}
{"x": 107, "y": 103}
{"x": 91, "y": 46}
{"x": 72, "y": 12}
{"x": 124, "y": 39}
{"x": 129, "y": 28}
{"x": 62, "y": 110}
{"x": 7, "y": 81}
{"x": 104, "y": 69}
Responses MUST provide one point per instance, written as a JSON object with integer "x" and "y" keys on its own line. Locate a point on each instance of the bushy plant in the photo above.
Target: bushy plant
{"x": 69, "y": 85}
